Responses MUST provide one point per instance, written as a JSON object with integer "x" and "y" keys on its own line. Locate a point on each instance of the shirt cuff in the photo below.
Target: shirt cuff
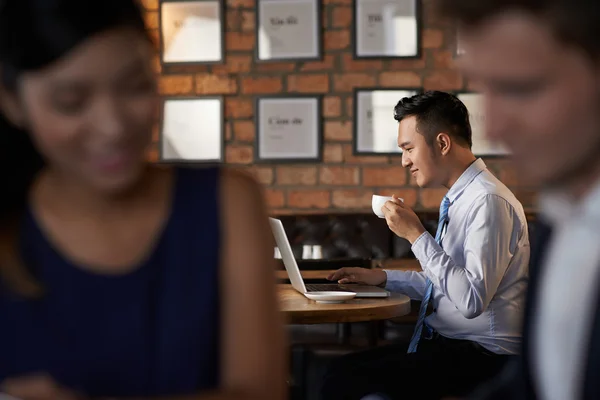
{"x": 425, "y": 247}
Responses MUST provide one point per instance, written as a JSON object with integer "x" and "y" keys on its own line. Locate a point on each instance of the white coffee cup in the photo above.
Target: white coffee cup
{"x": 378, "y": 202}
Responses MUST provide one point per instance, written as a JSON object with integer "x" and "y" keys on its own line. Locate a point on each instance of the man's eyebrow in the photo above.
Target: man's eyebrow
{"x": 403, "y": 145}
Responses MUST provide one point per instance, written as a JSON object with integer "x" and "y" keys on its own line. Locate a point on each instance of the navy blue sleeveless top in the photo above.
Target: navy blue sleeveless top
{"x": 151, "y": 332}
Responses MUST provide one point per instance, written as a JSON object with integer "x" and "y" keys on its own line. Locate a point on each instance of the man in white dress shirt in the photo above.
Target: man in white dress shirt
{"x": 543, "y": 102}
{"x": 477, "y": 268}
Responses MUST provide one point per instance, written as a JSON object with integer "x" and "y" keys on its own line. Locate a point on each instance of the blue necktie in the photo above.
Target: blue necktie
{"x": 414, "y": 341}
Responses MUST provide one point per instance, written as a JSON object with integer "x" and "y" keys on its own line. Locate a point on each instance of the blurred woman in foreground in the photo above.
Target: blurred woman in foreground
{"x": 119, "y": 278}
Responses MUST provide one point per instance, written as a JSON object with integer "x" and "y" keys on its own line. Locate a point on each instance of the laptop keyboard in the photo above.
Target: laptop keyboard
{"x": 325, "y": 287}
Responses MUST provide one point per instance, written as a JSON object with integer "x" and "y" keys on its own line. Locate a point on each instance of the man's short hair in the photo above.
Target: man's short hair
{"x": 437, "y": 112}
{"x": 575, "y": 22}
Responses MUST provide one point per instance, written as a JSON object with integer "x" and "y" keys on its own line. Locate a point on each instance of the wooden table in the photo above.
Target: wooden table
{"x": 300, "y": 310}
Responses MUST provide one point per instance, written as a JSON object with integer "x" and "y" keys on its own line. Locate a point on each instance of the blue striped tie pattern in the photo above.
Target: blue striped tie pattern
{"x": 414, "y": 341}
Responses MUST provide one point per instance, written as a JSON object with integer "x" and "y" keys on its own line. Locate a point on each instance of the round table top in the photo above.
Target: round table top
{"x": 300, "y": 310}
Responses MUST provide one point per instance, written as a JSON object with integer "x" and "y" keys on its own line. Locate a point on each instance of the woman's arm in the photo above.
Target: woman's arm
{"x": 254, "y": 362}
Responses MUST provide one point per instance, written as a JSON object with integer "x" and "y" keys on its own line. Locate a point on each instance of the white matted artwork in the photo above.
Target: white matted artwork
{"x": 375, "y": 129}
{"x": 288, "y": 30}
{"x": 192, "y": 130}
{"x": 191, "y": 31}
{"x": 288, "y": 129}
{"x": 387, "y": 28}
{"x": 482, "y": 146}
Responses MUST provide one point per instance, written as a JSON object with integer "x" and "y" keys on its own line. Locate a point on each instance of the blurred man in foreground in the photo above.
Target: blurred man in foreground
{"x": 538, "y": 64}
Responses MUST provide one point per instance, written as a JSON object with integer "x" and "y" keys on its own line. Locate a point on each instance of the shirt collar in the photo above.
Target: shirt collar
{"x": 477, "y": 167}
{"x": 559, "y": 207}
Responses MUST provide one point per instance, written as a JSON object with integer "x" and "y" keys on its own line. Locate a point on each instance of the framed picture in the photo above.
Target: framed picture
{"x": 375, "y": 129}
{"x": 387, "y": 28}
{"x": 289, "y": 129}
{"x": 482, "y": 146}
{"x": 288, "y": 30}
{"x": 191, "y": 32}
{"x": 192, "y": 130}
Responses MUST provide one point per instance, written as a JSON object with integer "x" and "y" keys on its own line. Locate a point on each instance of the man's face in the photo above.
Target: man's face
{"x": 542, "y": 96}
{"x": 417, "y": 155}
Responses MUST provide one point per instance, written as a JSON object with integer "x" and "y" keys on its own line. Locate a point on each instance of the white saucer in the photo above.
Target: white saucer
{"x": 330, "y": 297}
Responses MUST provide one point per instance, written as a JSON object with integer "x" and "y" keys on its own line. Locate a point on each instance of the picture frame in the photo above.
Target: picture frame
{"x": 192, "y": 130}
{"x": 387, "y": 29}
{"x": 481, "y": 145}
{"x": 375, "y": 130}
{"x": 288, "y": 30}
{"x": 289, "y": 129}
{"x": 182, "y": 22}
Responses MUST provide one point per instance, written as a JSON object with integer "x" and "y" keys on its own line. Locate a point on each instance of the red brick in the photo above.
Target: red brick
{"x": 309, "y": 198}
{"x": 151, "y": 19}
{"x": 296, "y": 175}
{"x": 350, "y": 64}
{"x": 233, "y": 20}
{"x": 341, "y": 17}
{"x": 238, "y": 108}
{"x": 241, "y": 3}
{"x": 169, "y": 85}
{"x": 184, "y": 69}
{"x": 340, "y": 2}
{"x": 444, "y": 80}
{"x": 433, "y": 39}
{"x": 409, "y": 195}
{"x": 333, "y": 153}
{"x": 338, "y": 131}
{"x": 234, "y": 63}
{"x": 358, "y": 199}
{"x": 326, "y": 64}
{"x": 239, "y": 154}
{"x": 237, "y": 41}
{"x": 349, "y": 158}
{"x": 347, "y": 82}
{"x": 402, "y": 64}
{"x": 400, "y": 79}
{"x": 228, "y": 131}
{"x": 332, "y": 175}
{"x": 215, "y": 84}
{"x": 384, "y": 176}
{"x": 274, "y": 198}
{"x": 248, "y": 21}
{"x": 443, "y": 59}
{"x": 274, "y": 67}
{"x": 244, "y": 131}
{"x": 261, "y": 85}
{"x": 350, "y": 107}
{"x": 264, "y": 175}
{"x": 332, "y": 106}
{"x": 149, "y": 5}
{"x": 430, "y": 199}
{"x": 337, "y": 40}
{"x": 312, "y": 83}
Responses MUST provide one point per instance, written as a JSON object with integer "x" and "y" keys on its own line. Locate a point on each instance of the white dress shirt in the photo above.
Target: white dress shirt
{"x": 480, "y": 275}
{"x": 568, "y": 295}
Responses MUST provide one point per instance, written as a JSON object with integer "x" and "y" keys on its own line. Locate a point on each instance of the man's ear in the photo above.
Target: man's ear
{"x": 444, "y": 143}
{"x": 10, "y": 107}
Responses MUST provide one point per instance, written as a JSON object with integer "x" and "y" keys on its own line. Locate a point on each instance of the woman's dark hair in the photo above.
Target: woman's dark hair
{"x": 437, "y": 112}
{"x": 575, "y": 22}
{"x": 34, "y": 34}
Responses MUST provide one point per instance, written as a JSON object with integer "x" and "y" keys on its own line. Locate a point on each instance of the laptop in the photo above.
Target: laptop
{"x": 289, "y": 261}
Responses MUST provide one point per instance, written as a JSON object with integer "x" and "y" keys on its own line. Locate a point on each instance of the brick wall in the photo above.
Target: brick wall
{"x": 342, "y": 182}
